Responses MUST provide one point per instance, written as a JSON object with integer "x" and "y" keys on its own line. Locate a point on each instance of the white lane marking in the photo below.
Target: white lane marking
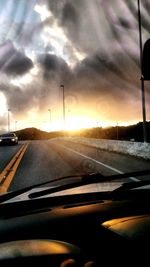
{"x": 100, "y": 163}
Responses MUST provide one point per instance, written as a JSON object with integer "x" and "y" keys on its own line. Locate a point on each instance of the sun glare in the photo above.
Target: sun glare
{"x": 78, "y": 122}
{"x": 71, "y": 123}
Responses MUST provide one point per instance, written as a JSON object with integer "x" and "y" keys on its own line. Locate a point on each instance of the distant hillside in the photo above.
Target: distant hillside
{"x": 134, "y": 132}
{"x": 36, "y": 134}
{"x": 31, "y": 134}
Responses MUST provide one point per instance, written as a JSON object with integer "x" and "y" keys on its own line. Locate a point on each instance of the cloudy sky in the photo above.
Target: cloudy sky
{"x": 89, "y": 46}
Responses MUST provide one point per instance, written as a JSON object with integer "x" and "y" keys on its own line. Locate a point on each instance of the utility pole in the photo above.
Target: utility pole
{"x": 49, "y": 117}
{"x": 142, "y": 78}
{"x": 117, "y": 128}
{"x": 63, "y": 96}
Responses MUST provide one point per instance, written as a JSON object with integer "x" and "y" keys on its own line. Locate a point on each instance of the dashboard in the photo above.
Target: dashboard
{"x": 84, "y": 227}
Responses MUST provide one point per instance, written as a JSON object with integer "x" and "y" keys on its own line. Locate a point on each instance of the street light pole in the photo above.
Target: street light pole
{"x": 9, "y": 120}
{"x": 117, "y": 131}
{"x": 49, "y": 117}
{"x": 142, "y": 80}
{"x": 63, "y": 92}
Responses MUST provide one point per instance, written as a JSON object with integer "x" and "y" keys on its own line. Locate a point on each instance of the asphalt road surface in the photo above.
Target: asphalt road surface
{"x": 29, "y": 163}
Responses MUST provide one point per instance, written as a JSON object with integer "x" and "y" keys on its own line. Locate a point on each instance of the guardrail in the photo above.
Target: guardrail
{"x": 137, "y": 149}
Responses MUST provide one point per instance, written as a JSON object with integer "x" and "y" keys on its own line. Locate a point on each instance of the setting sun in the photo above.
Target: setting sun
{"x": 79, "y": 122}
{"x": 71, "y": 123}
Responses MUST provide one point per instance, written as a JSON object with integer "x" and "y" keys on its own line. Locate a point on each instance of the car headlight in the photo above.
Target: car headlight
{"x": 0, "y": 140}
{"x": 13, "y": 139}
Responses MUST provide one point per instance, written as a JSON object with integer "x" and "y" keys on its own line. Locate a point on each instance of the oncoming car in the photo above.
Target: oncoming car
{"x": 8, "y": 139}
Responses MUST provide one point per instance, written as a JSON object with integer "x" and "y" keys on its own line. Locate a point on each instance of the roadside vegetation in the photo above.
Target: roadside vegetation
{"x": 132, "y": 132}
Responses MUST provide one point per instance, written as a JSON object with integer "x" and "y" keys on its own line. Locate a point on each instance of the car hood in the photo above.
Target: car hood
{"x": 8, "y": 137}
{"x": 97, "y": 187}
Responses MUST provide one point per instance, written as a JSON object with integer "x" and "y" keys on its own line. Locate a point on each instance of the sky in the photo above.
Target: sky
{"x": 90, "y": 47}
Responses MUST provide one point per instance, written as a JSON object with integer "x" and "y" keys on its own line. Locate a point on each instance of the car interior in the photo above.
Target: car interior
{"x": 104, "y": 228}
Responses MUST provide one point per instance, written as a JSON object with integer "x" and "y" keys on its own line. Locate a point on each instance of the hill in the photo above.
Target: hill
{"x": 134, "y": 132}
{"x": 36, "y": 134}
{"x": 127, "y": 133}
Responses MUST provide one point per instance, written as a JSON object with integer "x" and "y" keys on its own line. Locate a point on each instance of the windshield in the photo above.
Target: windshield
{"x": 8, "y": 135}
{"x": 74, "y": 88}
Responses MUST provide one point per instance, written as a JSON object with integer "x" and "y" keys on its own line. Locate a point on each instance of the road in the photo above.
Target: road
{"x": 34, "y": 162}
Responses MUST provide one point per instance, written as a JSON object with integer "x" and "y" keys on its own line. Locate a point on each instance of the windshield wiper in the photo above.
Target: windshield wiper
{"x": 16, "y": 193}
{"x": 84, "y": 179}
{"x": 132, "y": 185}
{"x": 89, "y": 179}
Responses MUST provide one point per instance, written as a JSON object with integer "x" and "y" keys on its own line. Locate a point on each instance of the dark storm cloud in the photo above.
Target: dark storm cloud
{"x": 12, "y": 61}
{"x": 55, "y": 68}
{"x": 44, "y": 89}
{"x": 94, "y": 26}
{"x": 68, "y": 16}
{"x": 125, "y": 23}
{"x": 19, "y": 100}
{"x": 146, "y": 4}
{"x": 110, "y": 61}
{"x": 105, "y": 68}
{"x": 145, "y": 19}
{"x": 102, "y": 65}
{"x": 51, "y": 62}
{"x": 102, "y": 82}
{"x": 105, "y": 35}
{"x": 70, "y": 20}
{"x": 56, "y": 6}
{"x": 95, "y": 75}
{"x": 18, "y": 65}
